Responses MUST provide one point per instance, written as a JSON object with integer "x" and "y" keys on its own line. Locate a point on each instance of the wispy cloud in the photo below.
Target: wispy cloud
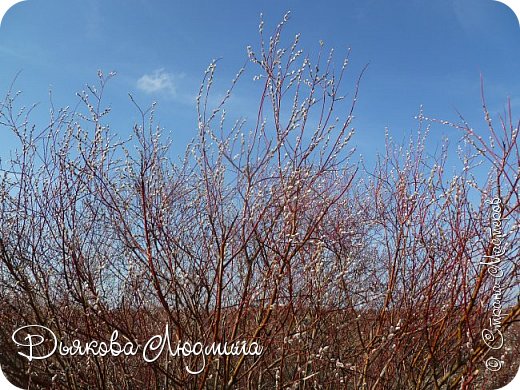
{"x": 158, "y": 81}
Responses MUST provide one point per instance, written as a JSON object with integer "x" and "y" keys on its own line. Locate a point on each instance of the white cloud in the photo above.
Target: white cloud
{"x": 158, "y": 81}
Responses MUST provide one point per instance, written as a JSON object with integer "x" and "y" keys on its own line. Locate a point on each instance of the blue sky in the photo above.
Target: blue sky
{"x": 419, "y": 52}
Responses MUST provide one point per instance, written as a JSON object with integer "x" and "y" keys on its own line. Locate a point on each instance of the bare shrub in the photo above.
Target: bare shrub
{"x": 264, "y": 231}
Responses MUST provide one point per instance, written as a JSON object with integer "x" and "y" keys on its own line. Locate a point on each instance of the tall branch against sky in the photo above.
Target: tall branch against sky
{"x": 329, "y": 202}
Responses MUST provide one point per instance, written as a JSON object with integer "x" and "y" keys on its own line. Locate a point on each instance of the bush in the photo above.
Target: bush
{"x": 265, "y": 232}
